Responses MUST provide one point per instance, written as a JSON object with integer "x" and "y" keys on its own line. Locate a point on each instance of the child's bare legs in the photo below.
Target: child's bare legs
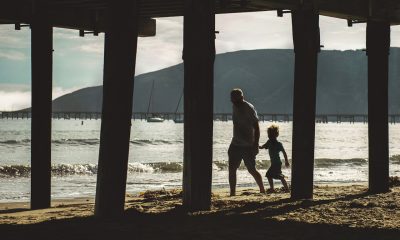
{"x": 285, "y": 185}
{"x": 271, "y": 184}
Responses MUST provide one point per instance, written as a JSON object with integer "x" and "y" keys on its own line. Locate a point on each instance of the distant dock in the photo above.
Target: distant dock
{"x": 272, "y": 117}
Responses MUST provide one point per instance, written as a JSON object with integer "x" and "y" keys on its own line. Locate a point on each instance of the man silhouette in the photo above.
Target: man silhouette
{"x": 246, "y": 135}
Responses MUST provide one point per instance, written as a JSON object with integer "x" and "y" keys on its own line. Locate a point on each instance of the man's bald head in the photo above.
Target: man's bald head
{"x": 237, "y": 96}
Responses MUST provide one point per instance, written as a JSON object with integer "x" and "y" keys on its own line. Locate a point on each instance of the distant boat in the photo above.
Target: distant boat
{"x": 152, "y": 119}
{"x": 178, "y": 120}
{"x": 155, "y": 119}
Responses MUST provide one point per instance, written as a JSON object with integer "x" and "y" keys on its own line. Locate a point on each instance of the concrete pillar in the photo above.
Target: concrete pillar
{"x": 378, "y": 44}
{"x": 42, "y": 64}
{"x": 305, "y": 23}
{"x": 119, "y": 70}
{"x": 198, "y": 55}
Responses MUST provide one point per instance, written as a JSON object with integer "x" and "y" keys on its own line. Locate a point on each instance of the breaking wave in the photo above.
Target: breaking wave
{"x": 395, "y": 159}
{"x": 59, "y": 170}
{"x": 15, "y": 142}
{"x": 154, "y": 142}
{"x": 169, "y": 167}
{"x": 88, "y": 141}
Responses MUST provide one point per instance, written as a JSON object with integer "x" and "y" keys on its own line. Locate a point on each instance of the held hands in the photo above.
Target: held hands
{"x": 255, "y": 149}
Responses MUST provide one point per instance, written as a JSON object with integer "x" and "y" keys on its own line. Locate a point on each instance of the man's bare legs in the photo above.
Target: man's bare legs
{"x": 257, "y": 176}
{"x": 232, "y": 180}
{"x": 236, "y": 154}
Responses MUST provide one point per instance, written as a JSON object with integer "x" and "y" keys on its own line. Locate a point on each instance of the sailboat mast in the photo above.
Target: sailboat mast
{"x": 150, "y": 98}
{"x": 179, "y": 102}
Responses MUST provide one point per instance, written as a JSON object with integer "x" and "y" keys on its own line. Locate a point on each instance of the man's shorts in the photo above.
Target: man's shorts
{"x": 237, "y": 153}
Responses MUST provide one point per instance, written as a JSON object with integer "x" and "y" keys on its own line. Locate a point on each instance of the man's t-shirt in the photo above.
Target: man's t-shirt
{"x": 274, "y": 147}
{"x": 244, "y": 116}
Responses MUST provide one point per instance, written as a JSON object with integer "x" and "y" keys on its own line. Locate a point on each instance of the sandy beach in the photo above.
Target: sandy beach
{"x": 336, "y": 212}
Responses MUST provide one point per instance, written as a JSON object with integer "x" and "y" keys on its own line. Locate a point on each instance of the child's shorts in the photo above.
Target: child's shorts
{"x": 274, "y": 172}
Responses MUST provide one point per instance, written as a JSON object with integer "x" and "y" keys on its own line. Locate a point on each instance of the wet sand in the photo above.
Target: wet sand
{"x": 336, "y": 212}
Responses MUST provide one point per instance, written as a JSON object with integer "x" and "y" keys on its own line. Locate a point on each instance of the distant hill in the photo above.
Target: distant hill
{"x": 266, "y": 76}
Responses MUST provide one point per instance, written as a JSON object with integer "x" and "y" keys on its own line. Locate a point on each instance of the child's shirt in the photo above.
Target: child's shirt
{"x": 274, "y": 147}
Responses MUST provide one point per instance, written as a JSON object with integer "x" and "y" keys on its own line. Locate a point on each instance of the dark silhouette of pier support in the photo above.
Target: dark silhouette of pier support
{"x": 198, "y": 56}
{"x": 378, "y": 45}
{"x": 305, "y": 22}
{"x": 119, "y": 68}
{"x": 42, "y": 64}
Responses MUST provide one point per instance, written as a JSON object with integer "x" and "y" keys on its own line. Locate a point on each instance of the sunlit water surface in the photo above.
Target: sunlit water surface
{"x": 156, "y": 154}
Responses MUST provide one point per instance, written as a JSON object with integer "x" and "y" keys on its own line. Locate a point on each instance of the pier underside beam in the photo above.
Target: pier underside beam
{"x": 42, "y": 67}
{"x": 378, "y": 45}
{"x": 305, "y": 24}
{"x": 119, "y": 70}
{"x": 199, "y": 55}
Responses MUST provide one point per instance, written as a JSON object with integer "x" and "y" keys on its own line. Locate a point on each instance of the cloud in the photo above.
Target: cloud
{"x": 67, "y": 42}
{"x": 10, "y": 38}
{"x": 14, "y": 45}
{"x": 395, "y": 35}
{"x": 94, "y": 47}
{"x": 9, "y": 87}
{"x": 62, "y": 34}
{"x": 163, "y": 50}
{"x": 16, "y": 97}
{"x": 245, "y": 31}
{"x": 58, "y": 91}
{"x": 12, "y": 55}
{"x": 10, "y": 101}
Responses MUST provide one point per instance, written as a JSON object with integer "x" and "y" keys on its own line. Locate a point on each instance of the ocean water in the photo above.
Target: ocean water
{"x": 156, "y": 154}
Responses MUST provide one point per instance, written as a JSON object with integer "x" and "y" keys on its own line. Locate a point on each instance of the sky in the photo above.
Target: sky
{"x": 78, "y": 62}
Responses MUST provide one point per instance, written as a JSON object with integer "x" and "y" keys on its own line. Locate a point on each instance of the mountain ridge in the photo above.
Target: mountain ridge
{"x": 266, "y": 77}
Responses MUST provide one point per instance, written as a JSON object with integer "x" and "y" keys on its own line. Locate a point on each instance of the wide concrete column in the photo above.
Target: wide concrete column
{"x": 119, "y": 70}
{"x": 198, "y": 55}
{"x": 42, "y": 67}
{"x": 306, "y": 41}
{"x": 378, "y": 45}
